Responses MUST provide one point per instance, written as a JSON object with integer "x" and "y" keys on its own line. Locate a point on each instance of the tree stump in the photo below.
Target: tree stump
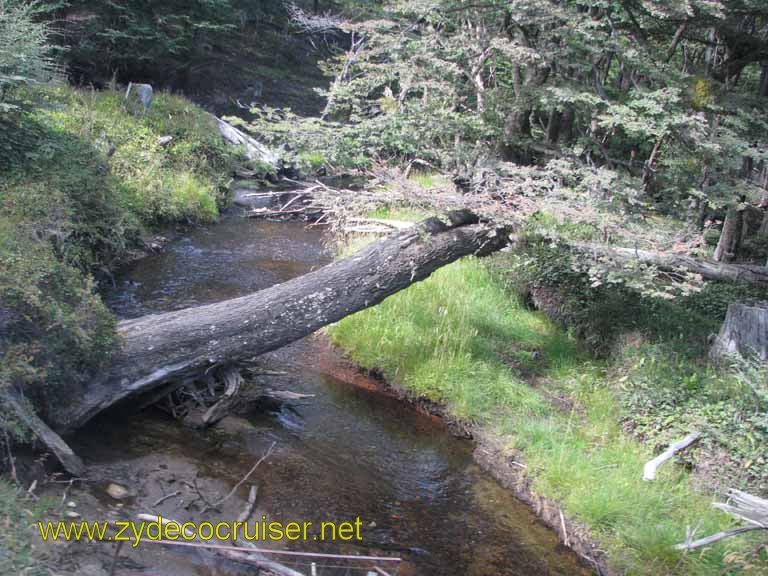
{"x": 744, "y": 332}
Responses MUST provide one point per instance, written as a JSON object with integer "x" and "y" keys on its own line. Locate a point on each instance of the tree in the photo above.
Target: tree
{"x": 25, "y": 53}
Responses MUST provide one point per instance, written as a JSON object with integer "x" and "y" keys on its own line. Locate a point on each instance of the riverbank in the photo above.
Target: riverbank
{"x": 88, "y": 184}
{"x": 463, "y": 339}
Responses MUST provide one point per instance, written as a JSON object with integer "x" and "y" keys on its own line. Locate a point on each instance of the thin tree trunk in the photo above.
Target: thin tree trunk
{"x": 763, "y": 88}
{"x": 553, "y": 126}
{"x": 567, "y": 124}
{"x": 728, "y": 245}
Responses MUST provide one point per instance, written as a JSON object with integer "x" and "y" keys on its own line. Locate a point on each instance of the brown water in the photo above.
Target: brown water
{"x": 344, "y": 453}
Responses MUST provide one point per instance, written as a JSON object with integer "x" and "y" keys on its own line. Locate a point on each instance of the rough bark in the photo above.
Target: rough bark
{"x": 744, "y": 332}
{"x": 728, "y": 246}
{"x": 164, "y": 347}
{"x": 519, "y": 124}
{"x": 553, "y": 126}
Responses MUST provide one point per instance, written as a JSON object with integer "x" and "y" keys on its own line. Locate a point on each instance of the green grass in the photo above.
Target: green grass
{"x": 429, "y": 179}
{"x": 459, "y": 338}
{"x": 86, "y": 176}
{"x": 399, "y": 213}
{"x": 16, "y": 519}
{"x": 184, "y": 179}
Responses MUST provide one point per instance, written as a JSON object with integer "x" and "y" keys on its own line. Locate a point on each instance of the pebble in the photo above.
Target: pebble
{"x": 117, "y": 492}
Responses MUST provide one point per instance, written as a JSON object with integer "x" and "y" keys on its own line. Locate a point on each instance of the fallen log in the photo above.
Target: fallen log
{"x": 734, "y": 273}
{"x": 744, "y": 506}
{"x": 254, "y": 149}
{"x": 69, "y": 460}
{"x": 172, "y": 346}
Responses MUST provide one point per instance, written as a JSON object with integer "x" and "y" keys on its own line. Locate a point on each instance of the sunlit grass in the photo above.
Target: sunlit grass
{"x": 429, "y": 179}
{"x": 459, "y": 338}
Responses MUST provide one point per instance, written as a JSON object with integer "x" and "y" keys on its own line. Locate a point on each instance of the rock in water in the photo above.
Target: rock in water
{"x": 118, "y": 492}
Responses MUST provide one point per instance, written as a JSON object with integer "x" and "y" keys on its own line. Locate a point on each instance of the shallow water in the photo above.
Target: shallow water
{"x": 347, "y": 452}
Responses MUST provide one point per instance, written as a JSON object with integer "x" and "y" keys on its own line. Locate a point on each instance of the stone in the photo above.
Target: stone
{"x": 118, "y": 492}
{"x": 143, "y": 92}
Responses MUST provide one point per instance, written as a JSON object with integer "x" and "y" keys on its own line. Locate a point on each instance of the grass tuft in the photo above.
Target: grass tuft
{"x": 459, "y": 338}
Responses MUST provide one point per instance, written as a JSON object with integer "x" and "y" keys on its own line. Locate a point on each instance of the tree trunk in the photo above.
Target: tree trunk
{"x": 566, "y": 130}
{"x": 169, "y": 347}
{"x": 728, "y": 245}
{"x": 744, "y": 332}
{"x": 519, "y": 124}
{"x": 553, "y": 126}
{"x": 763, "y": 88}
{"x": 479, "y": 82}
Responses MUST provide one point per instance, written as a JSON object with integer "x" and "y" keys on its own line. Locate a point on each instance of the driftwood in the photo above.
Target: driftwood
{"x": 650, "y": 468}
{"x": 160, "y": 348}
{"x": 254, "y": 149}
{"x": 253, "y": 557}
{"x": 232, "y": 382}
{"x": 743, "y": 506}
{"x": 48, "y": 437}
{"x": 744, "y": 332}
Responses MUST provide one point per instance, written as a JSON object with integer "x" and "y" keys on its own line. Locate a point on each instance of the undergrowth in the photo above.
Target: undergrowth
{"x": 462, "y": 338}
{"x": 84, "y": 178}
{"x": 17, "y": 517}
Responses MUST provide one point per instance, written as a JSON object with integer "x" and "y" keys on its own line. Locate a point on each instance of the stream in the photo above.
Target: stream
{"x": 346, "y": 452}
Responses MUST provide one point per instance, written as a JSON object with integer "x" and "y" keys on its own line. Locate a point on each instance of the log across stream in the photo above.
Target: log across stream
{"x": 346, "y": 452}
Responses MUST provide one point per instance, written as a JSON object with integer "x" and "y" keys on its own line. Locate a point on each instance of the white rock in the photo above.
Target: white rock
{"x": 118, "y": 492}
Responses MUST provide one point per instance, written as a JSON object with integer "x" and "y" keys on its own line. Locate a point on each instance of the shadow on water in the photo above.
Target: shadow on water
{"x": 346, "y": 452}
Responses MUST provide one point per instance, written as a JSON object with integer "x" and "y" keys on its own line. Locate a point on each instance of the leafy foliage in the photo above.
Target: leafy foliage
{"x": 25, "y": 53}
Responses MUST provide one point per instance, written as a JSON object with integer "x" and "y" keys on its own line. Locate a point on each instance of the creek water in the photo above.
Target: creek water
{"x": 347, "y": 452}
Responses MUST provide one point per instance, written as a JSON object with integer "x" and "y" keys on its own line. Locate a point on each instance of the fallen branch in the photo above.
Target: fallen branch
{"x": 232, "y": 380}
{"x": 650, "y": 468}
{"x": 48, "y": 437}
{"x": 740, "y": 504}
{"x": 734, "y": 273}
{"x": 249, "y": 506}
{"x": 251, "y": 556}
{"x": 285, "y": 395}
{"x": 166, "y": 497}
{"x": 693, "y": 544}
{"x": 267, "y": 454}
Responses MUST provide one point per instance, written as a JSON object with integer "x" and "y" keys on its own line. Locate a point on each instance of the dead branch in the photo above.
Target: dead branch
{"x": 743, "y": 506}
{"x": 650, "y": 468}
{"x": 266, "y": 455}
